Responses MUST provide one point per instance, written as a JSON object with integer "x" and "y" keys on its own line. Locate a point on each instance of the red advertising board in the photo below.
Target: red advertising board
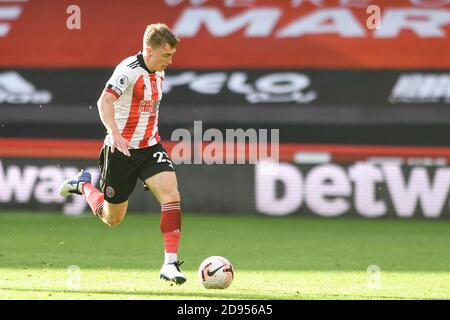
{"x": 350, "y": 34}
{"x": 290, "y": 152}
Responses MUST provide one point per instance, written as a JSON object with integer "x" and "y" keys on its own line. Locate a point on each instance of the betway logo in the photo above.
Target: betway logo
{"x": 262, "y": 22}
{"x": 15, "y": 89}
{"x": 331, "y": 190}
{"x": 8, "y": 12}
{"x": 41, "y": 184}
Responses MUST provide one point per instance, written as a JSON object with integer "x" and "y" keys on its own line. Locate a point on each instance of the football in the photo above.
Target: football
{"x": 216, "y": 272}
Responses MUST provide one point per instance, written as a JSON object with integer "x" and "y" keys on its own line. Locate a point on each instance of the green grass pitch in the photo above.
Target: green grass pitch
{"x": 274, "y": 258}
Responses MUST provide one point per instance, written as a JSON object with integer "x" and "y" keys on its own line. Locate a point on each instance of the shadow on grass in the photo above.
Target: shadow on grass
{"x": 150, "y": 293}
{"x": 217, "y": 295}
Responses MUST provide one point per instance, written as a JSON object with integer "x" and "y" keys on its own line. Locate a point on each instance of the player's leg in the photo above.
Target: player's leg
{"x": 159, "y": 178}
{"x": 113, "y": 213}
{"x": 165, "y": 188}
{"x": 116, "y": 188}
{"x": 110, "y": 213}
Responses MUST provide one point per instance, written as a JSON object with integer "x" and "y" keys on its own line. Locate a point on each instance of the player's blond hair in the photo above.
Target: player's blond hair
{"x": 158, "y": 34}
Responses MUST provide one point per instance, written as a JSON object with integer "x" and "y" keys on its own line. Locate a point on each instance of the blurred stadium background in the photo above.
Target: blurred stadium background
{"x": 363, "y": 112}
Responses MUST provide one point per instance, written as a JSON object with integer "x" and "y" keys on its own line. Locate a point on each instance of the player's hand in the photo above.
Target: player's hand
{"x": 121, "y": 144}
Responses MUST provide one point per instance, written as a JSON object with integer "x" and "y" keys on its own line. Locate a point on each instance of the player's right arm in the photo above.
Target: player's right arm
{"x": 119, "y": 82}
{"x": 106, "y": 111}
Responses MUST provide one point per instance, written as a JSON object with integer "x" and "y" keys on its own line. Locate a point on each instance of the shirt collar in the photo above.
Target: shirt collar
{"x": 142, "y": 64}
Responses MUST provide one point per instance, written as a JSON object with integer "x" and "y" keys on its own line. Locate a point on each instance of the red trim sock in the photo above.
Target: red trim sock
{"x": 94, "y": 198}
{"x": 170, "y": 226}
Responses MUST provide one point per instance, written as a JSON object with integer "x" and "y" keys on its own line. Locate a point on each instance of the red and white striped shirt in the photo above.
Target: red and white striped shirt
{"x": 139, "y": 94}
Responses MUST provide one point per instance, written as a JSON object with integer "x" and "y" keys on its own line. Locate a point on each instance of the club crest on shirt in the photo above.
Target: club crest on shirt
{"x": 110, "y": 192}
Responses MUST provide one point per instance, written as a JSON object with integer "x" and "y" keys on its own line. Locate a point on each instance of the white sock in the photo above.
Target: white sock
{"x": 170, "y": 257}
{"x": 80, "y": 187}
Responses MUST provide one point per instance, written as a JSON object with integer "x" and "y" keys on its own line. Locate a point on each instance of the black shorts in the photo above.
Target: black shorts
{"x": 119, "y": 173}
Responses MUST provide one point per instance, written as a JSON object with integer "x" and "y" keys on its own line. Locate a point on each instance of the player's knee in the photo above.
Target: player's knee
{"x": 113, "y": 215}
{"x": 113, "y": 220}
{"x": 175, "y": 194}
{"x": 171, "y": 196}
